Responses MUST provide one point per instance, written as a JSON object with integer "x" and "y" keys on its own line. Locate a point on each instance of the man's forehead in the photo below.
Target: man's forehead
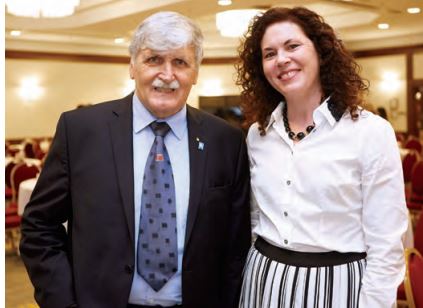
{"x": 184, "y": 51}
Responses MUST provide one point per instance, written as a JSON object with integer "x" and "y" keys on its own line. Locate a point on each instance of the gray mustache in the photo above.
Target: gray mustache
{"x": 157, "y": 83}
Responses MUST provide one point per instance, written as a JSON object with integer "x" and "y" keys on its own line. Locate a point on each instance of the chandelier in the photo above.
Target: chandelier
{"x": 41, "y": 8}
{"x": 234, "y": 23}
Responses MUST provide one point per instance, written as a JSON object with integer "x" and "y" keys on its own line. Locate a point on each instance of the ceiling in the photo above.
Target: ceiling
{"x": 96, "y": 23}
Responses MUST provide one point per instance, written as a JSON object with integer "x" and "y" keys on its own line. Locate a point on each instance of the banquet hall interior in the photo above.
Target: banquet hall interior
{"x": 74, "y": 55}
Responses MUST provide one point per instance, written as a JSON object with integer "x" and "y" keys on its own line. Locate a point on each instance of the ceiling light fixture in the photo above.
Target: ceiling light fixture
{"x": 383, "y": 26}
{"x": 413, "y": 10}
{"x": 224, "y": 2}
{"x": 41, "y": 8}
{"x": 234, "y": 23}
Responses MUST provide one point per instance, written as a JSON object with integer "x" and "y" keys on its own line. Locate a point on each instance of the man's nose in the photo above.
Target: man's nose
{"x": 167, "y": 73}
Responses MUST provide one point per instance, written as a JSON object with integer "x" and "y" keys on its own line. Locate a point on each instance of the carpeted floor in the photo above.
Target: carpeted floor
{"x": 18, "y": 289}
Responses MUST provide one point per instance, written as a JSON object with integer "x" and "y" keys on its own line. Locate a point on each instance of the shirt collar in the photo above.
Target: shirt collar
{"x": 143, "y": 118}
{"x": 319, "y": 114}
{"x": 276, "y": 115}
{"x": 322, "y": 112}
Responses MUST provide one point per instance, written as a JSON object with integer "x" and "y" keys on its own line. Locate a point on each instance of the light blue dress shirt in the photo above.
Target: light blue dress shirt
{"x": 176, "y": 142}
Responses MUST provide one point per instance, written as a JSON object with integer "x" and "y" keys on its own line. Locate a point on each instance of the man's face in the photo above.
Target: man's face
{"x": 163, "y": 79}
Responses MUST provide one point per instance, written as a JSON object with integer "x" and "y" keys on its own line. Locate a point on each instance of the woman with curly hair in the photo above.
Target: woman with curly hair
{"x": 326, "y": 175}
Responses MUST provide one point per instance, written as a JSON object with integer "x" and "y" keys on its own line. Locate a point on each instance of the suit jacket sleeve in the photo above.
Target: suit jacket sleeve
{"x": 45, "y": 246}
{"x": 239, "y": 234}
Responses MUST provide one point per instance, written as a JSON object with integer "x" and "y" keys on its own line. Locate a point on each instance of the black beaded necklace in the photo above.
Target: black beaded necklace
{"x": 294, "y": 136}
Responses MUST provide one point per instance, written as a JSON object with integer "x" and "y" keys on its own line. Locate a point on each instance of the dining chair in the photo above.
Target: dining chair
{"x": 7, "y": 180}
{"x": 20, "y": 173}
{"x": 418, "y": 234}
{"x": 414, "y": 144}
{"x": 408, "y": 163}
{"x": 418, "y": 245}
{"x": 12, "y": 232}
{"x": 414, "y": 193}
{"x": 413, "y": 282}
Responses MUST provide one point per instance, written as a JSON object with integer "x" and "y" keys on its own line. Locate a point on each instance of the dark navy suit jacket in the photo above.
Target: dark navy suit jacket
{"x": 88, "y": 181}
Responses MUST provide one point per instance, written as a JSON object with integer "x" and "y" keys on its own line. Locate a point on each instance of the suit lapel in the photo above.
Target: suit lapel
{"x": 197, "y": 160}
{"x": 122, "y": 142}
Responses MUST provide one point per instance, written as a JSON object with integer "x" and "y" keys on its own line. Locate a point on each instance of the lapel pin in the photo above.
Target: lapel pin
{"x": 200, "y": 144}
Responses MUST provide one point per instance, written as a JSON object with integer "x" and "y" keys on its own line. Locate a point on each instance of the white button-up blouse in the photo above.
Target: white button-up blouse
{"x": 339, "y": 189}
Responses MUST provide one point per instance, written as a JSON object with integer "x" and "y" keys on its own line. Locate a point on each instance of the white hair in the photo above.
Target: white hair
{"x": 165, "y": 31}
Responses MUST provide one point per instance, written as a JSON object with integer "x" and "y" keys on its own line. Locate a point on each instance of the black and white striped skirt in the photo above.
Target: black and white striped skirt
{"x": 279, "y": 278}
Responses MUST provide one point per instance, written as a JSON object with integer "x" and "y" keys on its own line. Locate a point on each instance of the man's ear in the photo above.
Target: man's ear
{"x": 196, "y": 76}
{"x": 131, "y": 70}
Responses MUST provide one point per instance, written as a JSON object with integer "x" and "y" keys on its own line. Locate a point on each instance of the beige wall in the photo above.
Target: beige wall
{"x": 67, "y": 84}
{"x": 64, "y": 85}
{"x": 388, "y": 89}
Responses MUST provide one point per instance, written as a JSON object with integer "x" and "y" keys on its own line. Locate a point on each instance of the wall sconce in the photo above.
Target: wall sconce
{"x": 390, "y": 82}
{"x": 119, "y": 40}
{"x": 211, "y": 87}
{"x": 30, "y": 89}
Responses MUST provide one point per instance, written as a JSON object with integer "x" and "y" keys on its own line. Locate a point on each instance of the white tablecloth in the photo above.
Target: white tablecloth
{"x": 25, "y": 191}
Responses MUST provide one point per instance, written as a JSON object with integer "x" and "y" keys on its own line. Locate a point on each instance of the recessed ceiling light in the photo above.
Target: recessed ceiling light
{"x": 15, "y": 32}
{"x": 119, "y": 40}
{"x": 383, "y": 26}
{"x": 234, "y": 23}
{"x": 413, "y": 10}
{"x": 224, "y": 2}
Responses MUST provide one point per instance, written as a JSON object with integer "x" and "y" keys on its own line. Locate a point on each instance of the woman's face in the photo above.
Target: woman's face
{"x": 290, "y": 61}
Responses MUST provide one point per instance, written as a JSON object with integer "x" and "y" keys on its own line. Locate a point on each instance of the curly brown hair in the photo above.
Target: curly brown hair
{"x": 339, "y": 73}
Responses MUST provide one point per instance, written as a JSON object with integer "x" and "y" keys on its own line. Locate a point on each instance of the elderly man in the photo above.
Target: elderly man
{"x": 155, "y": 192}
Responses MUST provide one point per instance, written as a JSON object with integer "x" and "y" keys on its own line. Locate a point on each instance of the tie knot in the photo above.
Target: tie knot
{"x": 160, "y": 128}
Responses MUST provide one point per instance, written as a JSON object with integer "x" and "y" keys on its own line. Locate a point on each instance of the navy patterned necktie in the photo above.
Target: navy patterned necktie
{"x": 157, "y": 239}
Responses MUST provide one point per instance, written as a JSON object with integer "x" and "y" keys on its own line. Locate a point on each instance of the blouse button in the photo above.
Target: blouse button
{"x": 288, "y": 182}
{"x": 285, "y": 214}
{"x": 285, "y": 242}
